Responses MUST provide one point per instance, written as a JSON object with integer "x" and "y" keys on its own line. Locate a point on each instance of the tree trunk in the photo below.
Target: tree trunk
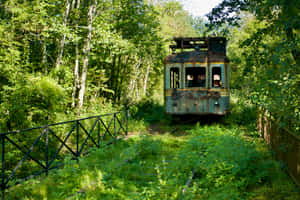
{"x": 146, "y": 79}
{"x": 62, "y": 41}
{"x": 76, "y": 77}
{"x": 44, "y": 60}
{"x": 76, "y": 67}
{"x": 137, "y": 96}
{"x": 124, "y": 71}
{"x": 112, "y": 75}
{"x": 86, "y": 52}
{"x": 295, "y": 52}
{"x": 133, "y": 81}
{"x": 118, "y": 67}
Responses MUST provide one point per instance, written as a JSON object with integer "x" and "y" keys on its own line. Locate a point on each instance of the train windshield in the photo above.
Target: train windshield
{"x": 195, "y": 77}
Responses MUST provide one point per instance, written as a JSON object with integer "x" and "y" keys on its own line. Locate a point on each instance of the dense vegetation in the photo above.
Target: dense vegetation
{"x": 65, "y": 59}
{"x": 58, "y": 59}
{"x": 224, "y": 161}
{"x": 265, "y": 54}
{"x": 61, "y": 59}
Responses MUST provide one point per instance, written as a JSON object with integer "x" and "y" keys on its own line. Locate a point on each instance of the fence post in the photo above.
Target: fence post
{"x": 98, "y": 141}
{"x": 77, "y": 138}
{"x": 47, "y": 150}
{"x": 115, "y": 136}
{"x": 3, "y": 167}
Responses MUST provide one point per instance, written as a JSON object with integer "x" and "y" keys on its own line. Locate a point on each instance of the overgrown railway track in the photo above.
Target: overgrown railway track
{"x": 129, "y": 161}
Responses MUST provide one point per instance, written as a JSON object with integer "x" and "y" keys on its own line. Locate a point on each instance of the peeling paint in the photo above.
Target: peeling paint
{"x": 198, "y": 100}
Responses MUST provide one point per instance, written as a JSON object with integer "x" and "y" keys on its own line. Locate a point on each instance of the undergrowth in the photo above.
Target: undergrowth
{"x": 223, "y": 163}
{"x": 216, "y": 162}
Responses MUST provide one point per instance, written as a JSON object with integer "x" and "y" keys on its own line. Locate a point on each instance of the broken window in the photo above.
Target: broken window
{"x": 195, "y": 77}
{"x": 174, "y": 77}
{"x": 216, "y": 77}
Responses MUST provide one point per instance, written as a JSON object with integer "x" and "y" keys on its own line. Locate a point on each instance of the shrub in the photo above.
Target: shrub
{"x": 33, "y": 101}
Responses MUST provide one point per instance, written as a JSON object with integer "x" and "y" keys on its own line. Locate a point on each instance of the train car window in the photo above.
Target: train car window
{"x": 216, "y": 77}
{"x": 174, "y": 77}
{"x": 195, "y": 77}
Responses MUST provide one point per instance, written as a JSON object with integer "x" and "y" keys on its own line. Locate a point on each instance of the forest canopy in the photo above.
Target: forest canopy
{"x": 64, "y": 58}
{"x": 265, "y": 53}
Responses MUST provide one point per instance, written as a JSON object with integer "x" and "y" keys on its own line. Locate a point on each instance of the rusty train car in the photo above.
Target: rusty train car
{"x": 196, "y": 77}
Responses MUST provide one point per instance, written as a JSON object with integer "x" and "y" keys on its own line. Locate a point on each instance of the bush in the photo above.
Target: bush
{"x": 32, "y": 101}
{"x": 149, "y": 110}
{"x": 229, "y": 164}
{"x": 242, "y": 112}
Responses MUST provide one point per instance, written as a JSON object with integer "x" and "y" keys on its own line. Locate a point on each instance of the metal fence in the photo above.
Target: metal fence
{"x": 36, "y": 151}
{"x": 284, "y": 143}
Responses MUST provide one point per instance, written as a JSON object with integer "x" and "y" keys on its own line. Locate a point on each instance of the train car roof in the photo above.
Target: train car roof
{"x": 200, "y": 49}
{"x": 199, "y": 42}
{"x": 196, "y": 56}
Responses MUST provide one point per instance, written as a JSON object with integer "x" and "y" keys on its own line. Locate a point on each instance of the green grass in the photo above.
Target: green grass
{"x": 228, "y": 161}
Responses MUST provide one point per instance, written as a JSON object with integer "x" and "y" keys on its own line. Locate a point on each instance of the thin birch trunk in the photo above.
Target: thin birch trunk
{"x": 122, "y": 77}
{"x": 44, "y": 61}
{"x": 117, "y": 86}
{"x": 86, "y": 52}
{"x": 76, "y": 67}
{"x": 133, "y": 81}
{"x": 76, "y": 77}
{"x": 62, "y": 41}
{"x": 146, "y": 79}
{"x": 137, "y": 96}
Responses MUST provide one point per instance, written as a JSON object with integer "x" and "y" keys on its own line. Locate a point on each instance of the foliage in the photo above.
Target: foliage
{"x": 175, "y": 21}
{"x": 34, "y": 101}
{"x": 150, "y": 111}
{"x": 64, "y": 60}
{"x": 242, "y": 112}
{"x": 223, "y": 162}
{"x": 264, "y": 52}
{"x": 56, "y": 54}
{"x": 50, "y": 39}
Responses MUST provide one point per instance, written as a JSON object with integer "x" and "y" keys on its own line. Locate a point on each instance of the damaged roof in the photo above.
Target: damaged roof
{"x": 206, "y": 49}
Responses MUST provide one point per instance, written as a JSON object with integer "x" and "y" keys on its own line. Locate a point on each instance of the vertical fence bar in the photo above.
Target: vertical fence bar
{"x": 47, "y": 150}
{"x": 77, "y": 138}
{"x": 3, "y": 138}
{"x": 3, "y": 167}
{"x": 115, "y": 135}
{"x": 115, "y": 124}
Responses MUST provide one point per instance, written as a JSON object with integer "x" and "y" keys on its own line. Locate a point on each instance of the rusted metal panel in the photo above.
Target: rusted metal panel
{"x": 195, "y": 98}
{"x": 195, "y": 56}
{"x": 167, "y": 78}
{"x": 196, "y": 102}
{"x": 207, "y": 49}
{"x": 210, "y": 44}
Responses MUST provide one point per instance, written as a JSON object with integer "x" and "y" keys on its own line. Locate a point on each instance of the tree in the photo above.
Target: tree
{"x": 279, "y": 15}
{"x": 265, "y": 50}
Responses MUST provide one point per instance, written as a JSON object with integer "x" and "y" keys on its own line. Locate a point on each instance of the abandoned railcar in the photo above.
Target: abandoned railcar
{"x": 196, "y": 77}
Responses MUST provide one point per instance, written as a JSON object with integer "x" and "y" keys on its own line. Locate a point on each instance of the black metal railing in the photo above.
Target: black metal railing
{"x": 49, "y": 144}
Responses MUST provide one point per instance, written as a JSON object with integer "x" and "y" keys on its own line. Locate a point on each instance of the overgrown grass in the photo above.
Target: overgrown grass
{"x": 225, "y": 166}
{"x": 224, "y": 160}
